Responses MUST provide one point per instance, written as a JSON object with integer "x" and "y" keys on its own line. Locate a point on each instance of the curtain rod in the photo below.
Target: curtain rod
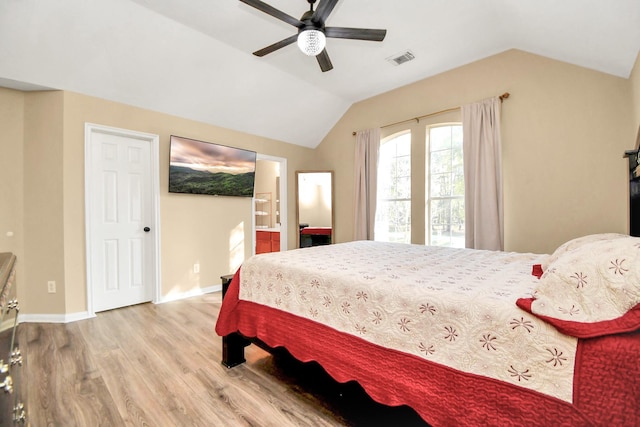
{"x": 417, "y": 119}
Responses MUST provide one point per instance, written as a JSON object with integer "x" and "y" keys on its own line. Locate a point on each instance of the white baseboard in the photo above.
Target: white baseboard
{"x": 74, "y": 317}
{"x": 55, "y": 318}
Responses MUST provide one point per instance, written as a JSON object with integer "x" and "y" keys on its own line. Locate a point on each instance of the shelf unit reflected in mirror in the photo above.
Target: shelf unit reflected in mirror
{"x": 263, "y": 210}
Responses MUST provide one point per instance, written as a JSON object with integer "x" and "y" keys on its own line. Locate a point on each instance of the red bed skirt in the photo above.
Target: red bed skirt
{"x": 606, "y": 385}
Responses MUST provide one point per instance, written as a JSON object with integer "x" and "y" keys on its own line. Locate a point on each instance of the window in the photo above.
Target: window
{"x": 393, "y": 211}
{"x": 445, "y": 186}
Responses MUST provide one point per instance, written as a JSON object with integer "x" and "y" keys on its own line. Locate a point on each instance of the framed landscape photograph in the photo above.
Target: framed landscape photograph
{"x": 199, "y": 167}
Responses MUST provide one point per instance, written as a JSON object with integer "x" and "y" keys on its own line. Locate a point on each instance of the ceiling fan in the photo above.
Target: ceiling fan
{"x": 312, "y": 33}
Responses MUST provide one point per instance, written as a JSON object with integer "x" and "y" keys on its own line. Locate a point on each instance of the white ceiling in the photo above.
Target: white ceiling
{"x": 192, "y": 58}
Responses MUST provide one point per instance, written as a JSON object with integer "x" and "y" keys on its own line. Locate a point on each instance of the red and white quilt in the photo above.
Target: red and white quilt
{"x": 437, "y": 329}
{"x": 451, "y": 306}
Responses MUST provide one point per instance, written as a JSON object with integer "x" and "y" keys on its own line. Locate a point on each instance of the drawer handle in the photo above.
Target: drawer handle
{"x": 13, "y": 305}
{"x": 7, "y": 385}
{"x": 16, "y": 357}
{"x": 19, "y": 414}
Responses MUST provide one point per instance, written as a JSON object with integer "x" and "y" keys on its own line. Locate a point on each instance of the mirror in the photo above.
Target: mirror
{"x": 314, "y": 207}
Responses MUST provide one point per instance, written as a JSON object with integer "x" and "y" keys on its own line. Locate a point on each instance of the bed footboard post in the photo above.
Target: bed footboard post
{"x": 233, "y": 344}
{"x": 233, "y": 350}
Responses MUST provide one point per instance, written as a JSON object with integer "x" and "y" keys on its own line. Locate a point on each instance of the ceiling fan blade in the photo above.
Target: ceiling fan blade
{"x": 270, "y": 10}
{"x": 324, "y": 61}
{"x": 355, "y": 33}
{"x": 276, "y": 46}
{"x": 322, "y": 12}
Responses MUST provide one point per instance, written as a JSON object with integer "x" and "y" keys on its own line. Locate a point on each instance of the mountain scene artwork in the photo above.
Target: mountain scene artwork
{"x": 199, "y": 167}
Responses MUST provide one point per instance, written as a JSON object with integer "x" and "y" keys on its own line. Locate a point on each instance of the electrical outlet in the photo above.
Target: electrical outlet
{"x": 196, "y": 268}
{"x": 51, "y": 286}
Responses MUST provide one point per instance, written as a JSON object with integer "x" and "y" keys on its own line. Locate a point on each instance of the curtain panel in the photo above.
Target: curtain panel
{"x": 484, "y": 212}
{"x": 366, "y": 173}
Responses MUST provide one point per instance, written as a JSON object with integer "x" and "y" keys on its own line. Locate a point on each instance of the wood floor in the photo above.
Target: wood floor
{"x": 159, "y": 365}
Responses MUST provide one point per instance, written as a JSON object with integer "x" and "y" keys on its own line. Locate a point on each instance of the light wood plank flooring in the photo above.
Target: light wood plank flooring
{"x": 159, "y": 365}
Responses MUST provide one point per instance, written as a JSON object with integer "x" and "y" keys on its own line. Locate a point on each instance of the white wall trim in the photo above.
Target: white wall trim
{"x": 55, "y": 318}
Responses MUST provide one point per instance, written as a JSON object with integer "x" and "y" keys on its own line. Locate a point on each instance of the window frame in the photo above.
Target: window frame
{"x": 428, "y": 181}
{"x": 379, "y": 201}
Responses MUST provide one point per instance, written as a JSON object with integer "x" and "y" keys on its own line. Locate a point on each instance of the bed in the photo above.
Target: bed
{"x": 315, "y": 236}
{"x": 464, "y": 337}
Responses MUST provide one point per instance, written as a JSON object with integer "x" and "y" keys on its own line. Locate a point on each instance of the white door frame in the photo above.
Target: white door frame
{"x": 284, "y": 207}
{"x": 154, "y": 141}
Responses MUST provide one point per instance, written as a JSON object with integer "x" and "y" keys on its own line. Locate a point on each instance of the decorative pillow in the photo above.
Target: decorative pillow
{"x": 572, "y": 244}
{"x": 591, "y": 290}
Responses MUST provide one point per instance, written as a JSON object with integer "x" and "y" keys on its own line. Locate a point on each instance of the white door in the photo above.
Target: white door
{"x": 121, "y": 221}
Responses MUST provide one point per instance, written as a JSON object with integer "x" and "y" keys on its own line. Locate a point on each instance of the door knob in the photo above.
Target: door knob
{"x": 146, "y": 229}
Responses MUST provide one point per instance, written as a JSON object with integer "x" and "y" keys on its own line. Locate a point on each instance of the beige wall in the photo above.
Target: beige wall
{"x": 194, "y": 228}
{"x": 44, "y": 249}
{"x": 564, "y": 131}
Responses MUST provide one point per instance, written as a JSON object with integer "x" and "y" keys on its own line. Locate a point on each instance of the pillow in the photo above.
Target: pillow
{"x": 572, "y": 244}
{"x": 591, "y": 290}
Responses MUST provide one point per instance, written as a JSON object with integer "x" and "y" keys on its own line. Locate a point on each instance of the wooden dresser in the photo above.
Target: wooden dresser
{"x": 12, "y": 392}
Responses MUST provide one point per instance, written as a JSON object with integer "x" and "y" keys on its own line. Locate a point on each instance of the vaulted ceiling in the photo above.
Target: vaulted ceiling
{"x": 194, "y": 58}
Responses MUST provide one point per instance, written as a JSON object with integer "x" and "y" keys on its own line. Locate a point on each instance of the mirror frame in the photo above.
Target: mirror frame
{"x": 333, "y": 203}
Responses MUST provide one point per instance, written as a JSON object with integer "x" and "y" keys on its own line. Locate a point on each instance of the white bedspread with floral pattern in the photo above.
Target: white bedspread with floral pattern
{"x": 455, "y": 307}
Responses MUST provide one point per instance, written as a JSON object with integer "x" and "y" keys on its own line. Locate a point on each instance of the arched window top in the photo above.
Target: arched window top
{"x": 393, "y": 211}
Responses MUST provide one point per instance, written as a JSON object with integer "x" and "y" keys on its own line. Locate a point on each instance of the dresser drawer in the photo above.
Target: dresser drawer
{"x": 12, "y": 371}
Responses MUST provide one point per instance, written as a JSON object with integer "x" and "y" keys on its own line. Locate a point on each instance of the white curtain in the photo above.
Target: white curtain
{"x": 366, "y": 173}
{"x": 484, "y": 216}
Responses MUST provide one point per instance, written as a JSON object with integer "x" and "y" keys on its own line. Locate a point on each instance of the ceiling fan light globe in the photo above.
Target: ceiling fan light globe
{"x": 311, "y": 42}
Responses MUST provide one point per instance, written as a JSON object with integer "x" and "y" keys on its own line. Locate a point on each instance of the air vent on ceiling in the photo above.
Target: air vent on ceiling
{"x": 401, "y": 58}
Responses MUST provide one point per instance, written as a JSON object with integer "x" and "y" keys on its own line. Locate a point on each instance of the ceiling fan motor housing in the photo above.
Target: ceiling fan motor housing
{"x": 308, "y": 23}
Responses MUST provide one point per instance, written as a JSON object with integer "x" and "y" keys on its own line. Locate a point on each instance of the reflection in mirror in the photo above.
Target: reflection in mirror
{"x": 267, "y": 206}
{"x": 314, "y": 205}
